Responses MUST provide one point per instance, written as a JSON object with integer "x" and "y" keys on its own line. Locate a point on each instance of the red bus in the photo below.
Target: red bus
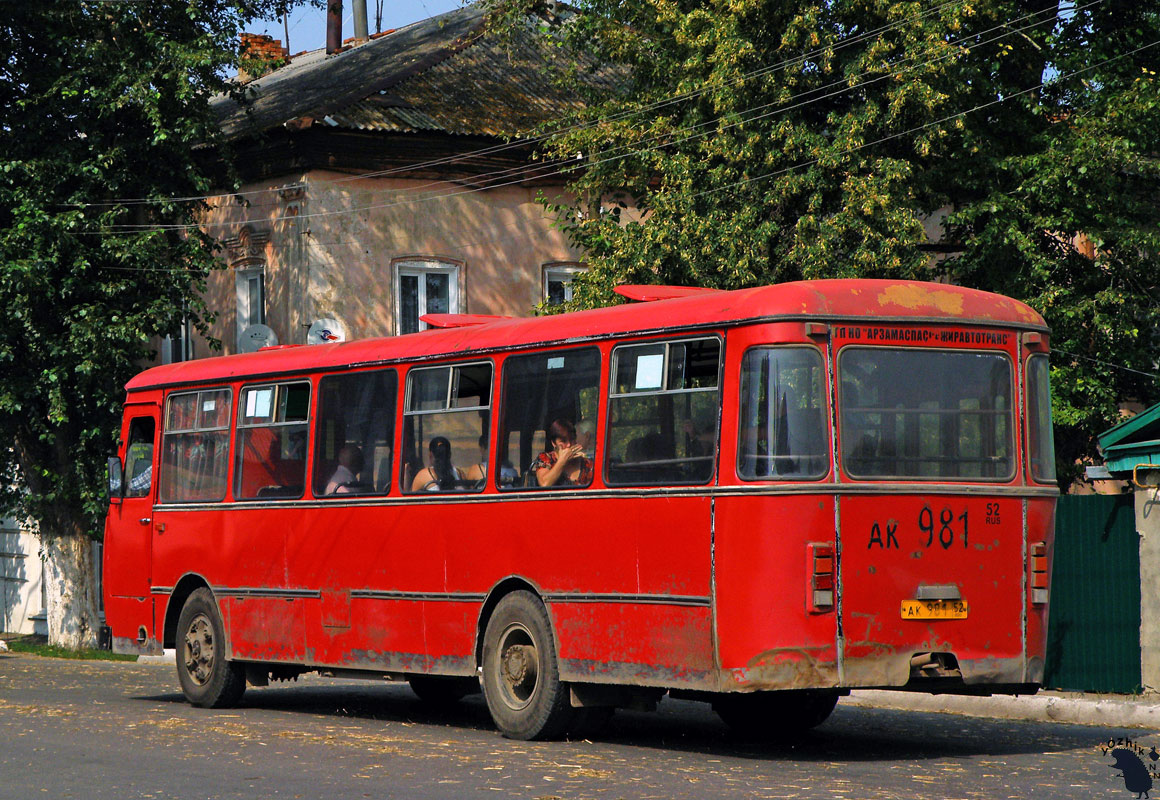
{"x": 760, "y": 498}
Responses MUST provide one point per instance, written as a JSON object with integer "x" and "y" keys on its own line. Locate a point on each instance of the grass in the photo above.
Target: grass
{"x": 39, "y": 646}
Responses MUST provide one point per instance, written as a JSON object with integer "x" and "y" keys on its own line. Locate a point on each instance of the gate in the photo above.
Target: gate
{"x": 1093, "y": 639}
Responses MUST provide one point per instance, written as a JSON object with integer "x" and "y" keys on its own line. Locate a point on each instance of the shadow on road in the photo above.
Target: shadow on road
{"x": 852, "y": 734}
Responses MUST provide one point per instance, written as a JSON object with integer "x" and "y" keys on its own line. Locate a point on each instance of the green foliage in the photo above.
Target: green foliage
{"x": 103, "y": 102}
{"x": 36, "y": 646}
{"x": 758, "y": 141}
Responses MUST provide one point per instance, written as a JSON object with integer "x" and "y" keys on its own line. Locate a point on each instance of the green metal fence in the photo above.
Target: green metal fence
{"x": 1093, "y": 641}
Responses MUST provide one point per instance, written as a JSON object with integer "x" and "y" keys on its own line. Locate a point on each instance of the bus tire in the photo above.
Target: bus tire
{"x": 521, "y": 677}
{"x": 775, "y": 715}
{"x": 437, "y": 690}
{"x": 207, "y": 679}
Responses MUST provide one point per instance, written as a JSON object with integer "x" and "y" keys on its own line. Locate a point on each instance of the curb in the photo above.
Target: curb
{"x": 1077, "y": 709}
{"x": 168, "y": 657}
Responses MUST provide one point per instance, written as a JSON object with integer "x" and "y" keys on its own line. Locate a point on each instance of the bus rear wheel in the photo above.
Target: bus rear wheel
{"x": 521, "y": 678}
{"x": 207, "y": 679}
{"x": 775, "y": 715}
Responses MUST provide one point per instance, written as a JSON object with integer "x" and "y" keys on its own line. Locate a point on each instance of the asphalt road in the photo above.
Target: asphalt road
{"x": 121, "y": 730}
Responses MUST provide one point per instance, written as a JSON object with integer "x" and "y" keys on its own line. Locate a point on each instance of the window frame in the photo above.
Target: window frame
{"x": 316, "y": 420}
{"x": 452, "y": 386}
{"x": 612, "y": 396}
{"x": 562, "y": 271}
{"x": 239, "y": 426}
{"x": 1030, "y": 399}
{"x": 166, "y": 431}
{"x": 420, "y": 267}
{"x": 591, "y": 349}
{"x": 827, "y": 414}
{"x": 1012, "y": 418}
{"x": 245, "y": 313}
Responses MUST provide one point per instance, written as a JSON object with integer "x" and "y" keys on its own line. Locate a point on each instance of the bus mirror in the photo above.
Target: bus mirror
{"x": 1146, "y": 476}
{"x": 116, "y": 483}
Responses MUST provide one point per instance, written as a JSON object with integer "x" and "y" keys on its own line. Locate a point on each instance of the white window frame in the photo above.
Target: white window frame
{"x": 562, "y": 272}
{"x": 248, "y": 316}
{"x": 420, "y": 268}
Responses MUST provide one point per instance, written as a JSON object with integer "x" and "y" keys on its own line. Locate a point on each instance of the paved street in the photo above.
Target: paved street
{"x": 121, "y": 730}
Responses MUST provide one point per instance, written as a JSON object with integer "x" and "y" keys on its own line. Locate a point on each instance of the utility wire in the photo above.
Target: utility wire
{"x": 521, "y": 143}
{"x": 526, "y": 172}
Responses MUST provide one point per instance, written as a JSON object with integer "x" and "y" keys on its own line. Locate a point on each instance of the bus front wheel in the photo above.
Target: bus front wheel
{"x": 774, "y": 715}
{"x": 521, "y": 678}
{"x": 207, "y": 679}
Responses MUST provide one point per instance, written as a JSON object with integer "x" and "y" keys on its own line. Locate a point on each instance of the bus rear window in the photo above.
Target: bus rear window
{"x": 925, "y": 414}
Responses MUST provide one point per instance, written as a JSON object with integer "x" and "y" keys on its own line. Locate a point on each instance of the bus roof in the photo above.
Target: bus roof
{"x": 822, "y": 300}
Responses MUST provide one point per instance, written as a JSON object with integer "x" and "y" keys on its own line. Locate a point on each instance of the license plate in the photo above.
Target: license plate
{"x": 934, "y": 609}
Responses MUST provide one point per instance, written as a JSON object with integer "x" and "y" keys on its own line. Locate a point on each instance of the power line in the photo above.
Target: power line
{"x": 526, "y": 172}
{"x": 1107, "y": 364}
{"x": 490, "y": 150}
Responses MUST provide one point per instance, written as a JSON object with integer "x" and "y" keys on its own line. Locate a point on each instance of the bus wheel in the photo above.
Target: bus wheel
{"x": 207, "y": 679}
{"x": 442, "y": 691}
{"x": 521, "y": 680}
{"x": 775, "y": 715}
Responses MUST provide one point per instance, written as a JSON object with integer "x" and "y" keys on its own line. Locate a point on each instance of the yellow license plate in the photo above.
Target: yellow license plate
{"x": 934, "y": 609}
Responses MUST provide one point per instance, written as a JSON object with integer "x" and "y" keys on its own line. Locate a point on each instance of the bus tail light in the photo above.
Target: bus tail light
{"x": 1039, "y": 573}
{"x": 820, "y": 563}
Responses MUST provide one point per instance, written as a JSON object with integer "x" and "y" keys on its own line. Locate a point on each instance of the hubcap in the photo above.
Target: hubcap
{"x": 518, "y": 666}
{"x": 199, "y": 649}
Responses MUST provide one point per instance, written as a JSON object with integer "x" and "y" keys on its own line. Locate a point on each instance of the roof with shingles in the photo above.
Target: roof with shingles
{"x": 446, "y": 74}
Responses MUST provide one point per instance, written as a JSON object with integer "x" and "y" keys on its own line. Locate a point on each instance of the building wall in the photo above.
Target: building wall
{"x": 21, "y": 583}
{"x": 327, "y": 248}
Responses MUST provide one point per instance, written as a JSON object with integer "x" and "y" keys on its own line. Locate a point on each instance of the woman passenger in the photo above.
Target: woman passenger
{"x": 440, "y": 475}
{"x": 564, "y": 463}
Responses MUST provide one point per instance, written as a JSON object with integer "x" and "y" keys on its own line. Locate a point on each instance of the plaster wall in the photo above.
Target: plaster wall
{"x": 328, "y": 242}
{"x": 21, "y": 582}
{"x": 1148, "y": 527}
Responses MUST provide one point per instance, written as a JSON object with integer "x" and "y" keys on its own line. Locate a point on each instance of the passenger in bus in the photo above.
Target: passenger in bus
{"x": 345, "y": 478}
{"x": 477, "y": 472}
{"x": 565, "y": 463}
{"x": 440, "y": 475}
{"x": 586, "y": 435}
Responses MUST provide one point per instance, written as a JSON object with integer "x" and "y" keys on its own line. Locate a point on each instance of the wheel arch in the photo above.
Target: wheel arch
{"x": 188, "y": 584}
{"x": 512, "y": 583}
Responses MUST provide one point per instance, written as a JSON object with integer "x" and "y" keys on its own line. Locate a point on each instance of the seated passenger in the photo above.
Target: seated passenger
{"x": 564, "y": 464}
{"x": 439, "y": 475}
{"x": 345, "y": 477}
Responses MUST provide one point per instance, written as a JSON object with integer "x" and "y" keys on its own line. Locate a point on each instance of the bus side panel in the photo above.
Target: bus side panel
{"x": 626, "y": 580}
{"x": 897, "y": 549}
{"x": 1040, "y": 528}
{"x": 372, "y": 566}
{"x": 768, "y": 637}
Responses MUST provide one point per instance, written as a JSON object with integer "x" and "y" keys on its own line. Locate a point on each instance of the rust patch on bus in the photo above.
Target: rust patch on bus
{"x": 788, "y": 668}
{"x": 914, "y": 296}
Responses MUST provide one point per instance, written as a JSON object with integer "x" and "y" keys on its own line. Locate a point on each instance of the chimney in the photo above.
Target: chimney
{"x": 333, "y": 26}
{"x": 258, "y": 55}
{"x": 360, "y": 20}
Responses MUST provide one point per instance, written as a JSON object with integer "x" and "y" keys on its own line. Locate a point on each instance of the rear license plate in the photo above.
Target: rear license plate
{"x": 934, "y": 609}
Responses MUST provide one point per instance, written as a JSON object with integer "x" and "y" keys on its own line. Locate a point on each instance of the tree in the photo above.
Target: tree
{"x": 757, "y": 141}
{"x": 105, "y": 108}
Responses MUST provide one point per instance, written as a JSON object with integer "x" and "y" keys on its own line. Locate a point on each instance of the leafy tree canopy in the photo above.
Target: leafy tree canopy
{"x": 973, "y": 140}
{"x": 104, "y": 111}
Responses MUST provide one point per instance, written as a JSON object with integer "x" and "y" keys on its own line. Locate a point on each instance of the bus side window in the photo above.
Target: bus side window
{"x": 445, "y": 428}
{"x": 195, "y": 446}
{"x": 271, "y": 441}
{"x": 663, "y": 413}
{"x": 139, "y": 457}
{"x": 354, "y": 434}
{"x": 546, "y": 392}
{"x": 782, "y": 418}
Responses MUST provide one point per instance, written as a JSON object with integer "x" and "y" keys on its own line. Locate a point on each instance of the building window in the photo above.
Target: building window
{"x": 251, "y": 292}
{"x": 424, "y": 287}
{"x": 178, "y": 346}
{"x": 558, "y": 282}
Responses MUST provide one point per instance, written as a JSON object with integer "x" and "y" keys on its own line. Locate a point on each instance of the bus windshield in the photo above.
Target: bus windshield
{"x": 932, "y": 414}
